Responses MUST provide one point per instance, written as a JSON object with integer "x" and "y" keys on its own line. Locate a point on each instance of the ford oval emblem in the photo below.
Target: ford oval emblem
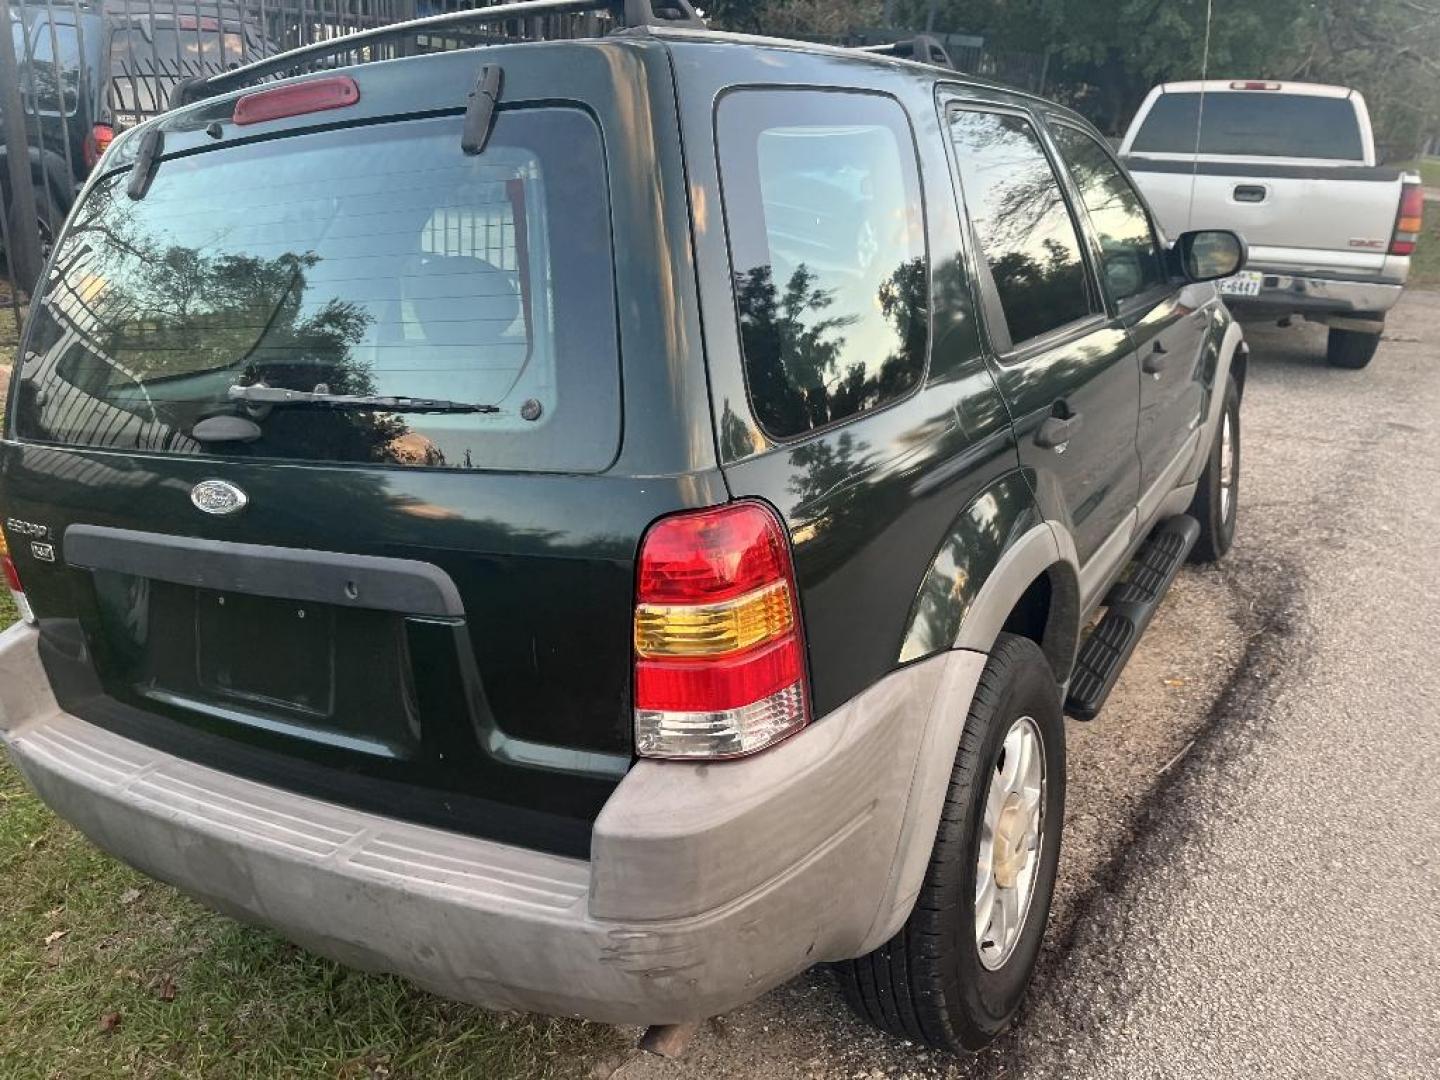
{"x": 218, "y": 497}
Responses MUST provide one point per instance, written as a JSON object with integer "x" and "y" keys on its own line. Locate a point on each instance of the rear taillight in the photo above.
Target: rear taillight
{"x": 96, "y": 143}
{"x": 1254, "y": 84}
{"x": 1409, "y": 221}
{"x": 719, "y": 654}
{"x": 12, "y": 581}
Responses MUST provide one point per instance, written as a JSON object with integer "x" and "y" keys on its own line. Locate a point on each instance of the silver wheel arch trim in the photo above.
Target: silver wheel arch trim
{"x": 1043, "y": 549}
{"x": 1234, "y": 335}
{"x": 1038, "y": 551}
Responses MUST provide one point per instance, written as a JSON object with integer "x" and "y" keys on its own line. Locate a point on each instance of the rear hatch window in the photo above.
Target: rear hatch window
{"x": 370, "y": 261}
{"x": 1257, "y": 123}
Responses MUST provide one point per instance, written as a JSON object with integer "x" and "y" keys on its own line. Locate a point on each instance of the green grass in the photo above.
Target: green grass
{"x": 9, "y": 326}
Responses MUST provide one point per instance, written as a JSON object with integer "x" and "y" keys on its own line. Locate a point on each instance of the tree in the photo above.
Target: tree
{"x": 1103, "y": 58}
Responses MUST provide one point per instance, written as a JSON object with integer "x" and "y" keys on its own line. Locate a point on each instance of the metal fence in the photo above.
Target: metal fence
{"x": 73, "y": 73}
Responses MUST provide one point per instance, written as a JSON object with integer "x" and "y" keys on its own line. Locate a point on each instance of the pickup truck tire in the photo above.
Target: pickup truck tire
{"x": 1217, "y": 494}
{"x": 1351, "y": 349}
{"x": 930, "y": 983}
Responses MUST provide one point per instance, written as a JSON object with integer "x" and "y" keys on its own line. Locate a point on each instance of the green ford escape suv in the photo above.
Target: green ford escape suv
{"x": 601, "y": 525}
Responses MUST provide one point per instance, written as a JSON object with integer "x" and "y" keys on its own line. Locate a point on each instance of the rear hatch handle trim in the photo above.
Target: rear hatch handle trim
{"x": 376, "y": 583}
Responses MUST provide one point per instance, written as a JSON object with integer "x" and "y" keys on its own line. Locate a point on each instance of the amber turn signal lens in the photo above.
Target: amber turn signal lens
{"x": 713, "y": 629}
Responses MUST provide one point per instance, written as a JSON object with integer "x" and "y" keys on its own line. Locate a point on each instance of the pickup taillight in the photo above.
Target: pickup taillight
{"x": 1409, "y": 221}
{"x": 12, "y": 580}
{"x": 720, "y": 666}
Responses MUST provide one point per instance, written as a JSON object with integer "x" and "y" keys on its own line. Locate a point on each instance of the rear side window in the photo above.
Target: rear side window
{"x": 1020, "y": 218}
{"x": 1129, "y": 254}
{"x": 1254, "y": 123}
{"x": 827, "y": 244}
{"x": 377, "y": 260}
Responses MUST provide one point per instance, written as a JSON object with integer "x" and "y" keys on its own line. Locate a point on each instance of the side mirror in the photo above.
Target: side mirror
{"x": 1211, "y": 254}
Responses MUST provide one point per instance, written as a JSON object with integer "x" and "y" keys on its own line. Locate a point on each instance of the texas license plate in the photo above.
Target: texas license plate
{"x": 1245, "y": 283}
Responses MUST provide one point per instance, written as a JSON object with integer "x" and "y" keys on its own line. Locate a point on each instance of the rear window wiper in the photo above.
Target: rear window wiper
{"x": 480, "y": 110}
{"x": 320, "y": 397}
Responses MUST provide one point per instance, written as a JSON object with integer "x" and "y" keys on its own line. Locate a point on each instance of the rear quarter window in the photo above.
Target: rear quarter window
{"x": 376, "y": 260}
{"x": 827, "y": 244}
{"x": 1252, "y": 123}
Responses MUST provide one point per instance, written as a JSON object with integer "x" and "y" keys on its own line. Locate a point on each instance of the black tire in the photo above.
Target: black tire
{"x": 1351, "y": 349}
{"x": 1215, "y": 513}
{"x": 927, "y": 983}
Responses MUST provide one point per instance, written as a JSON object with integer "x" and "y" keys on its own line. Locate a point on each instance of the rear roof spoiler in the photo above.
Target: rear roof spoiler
{"x": 622, "y": 13}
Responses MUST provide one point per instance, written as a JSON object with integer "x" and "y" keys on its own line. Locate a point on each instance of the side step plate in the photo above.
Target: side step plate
{"x": 1130, "y": 605}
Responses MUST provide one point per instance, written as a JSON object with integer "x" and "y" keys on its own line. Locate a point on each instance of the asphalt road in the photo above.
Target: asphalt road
{"x": 1250, "y": 883}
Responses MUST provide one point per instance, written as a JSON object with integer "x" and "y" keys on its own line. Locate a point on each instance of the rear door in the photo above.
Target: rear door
{"x": 426, "y": 613}
{"x": 1066, "y": 368}
{"x": 1167, "y": 322}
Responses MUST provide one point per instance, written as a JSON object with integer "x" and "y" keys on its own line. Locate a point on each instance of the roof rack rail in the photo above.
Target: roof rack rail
{"x": 625, "y": 13}
{"x": 925, "y": 48}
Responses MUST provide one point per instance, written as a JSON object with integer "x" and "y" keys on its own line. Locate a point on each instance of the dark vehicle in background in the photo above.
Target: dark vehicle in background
{"x": 600, "y": 526}
{"x": 89, "y": 70}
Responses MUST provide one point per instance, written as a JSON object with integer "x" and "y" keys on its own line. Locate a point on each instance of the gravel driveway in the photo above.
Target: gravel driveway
{"x": 1250, "y": 885}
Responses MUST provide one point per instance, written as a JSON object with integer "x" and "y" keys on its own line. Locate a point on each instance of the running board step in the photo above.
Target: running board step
{"x": 1130, "y": 605}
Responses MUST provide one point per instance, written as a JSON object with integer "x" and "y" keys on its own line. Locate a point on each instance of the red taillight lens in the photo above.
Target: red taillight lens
{"x": 722, "y": 682}
{"x": 1254, "y": 84}
{"x": 719, "y": 656}
{"x": 96, "y": 143}
{"x": 12, "y": 581}
{"x": 1409, "y": 221}
{"x": 313, "y": 95}
{"x": 712, "y": 555}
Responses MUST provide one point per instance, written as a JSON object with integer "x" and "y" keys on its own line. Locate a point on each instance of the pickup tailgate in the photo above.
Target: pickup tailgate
{"x": 1335, "y": 218}
{"x": 1289, "y": 166}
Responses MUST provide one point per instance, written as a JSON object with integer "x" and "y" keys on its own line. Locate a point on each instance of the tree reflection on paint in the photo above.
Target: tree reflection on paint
{"x": 802, "y": 371}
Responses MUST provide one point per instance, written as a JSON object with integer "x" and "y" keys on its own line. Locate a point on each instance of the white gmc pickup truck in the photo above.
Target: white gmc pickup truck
{"x": 1291, "y": 168}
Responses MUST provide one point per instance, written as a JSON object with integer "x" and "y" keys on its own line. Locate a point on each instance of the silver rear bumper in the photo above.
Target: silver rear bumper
{"x": 707, "y": 885}
{"x": 1347, "y": 305}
